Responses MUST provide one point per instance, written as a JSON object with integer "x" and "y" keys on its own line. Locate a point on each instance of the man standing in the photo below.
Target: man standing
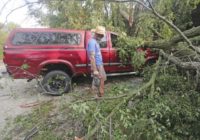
{"x": 95, "y": 57}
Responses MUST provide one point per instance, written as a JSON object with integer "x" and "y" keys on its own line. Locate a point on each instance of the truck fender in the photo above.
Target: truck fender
{"x": 56, "y": 61}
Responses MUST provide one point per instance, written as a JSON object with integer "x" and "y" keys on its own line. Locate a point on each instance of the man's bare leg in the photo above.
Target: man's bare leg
{"x": 101, "y": 87}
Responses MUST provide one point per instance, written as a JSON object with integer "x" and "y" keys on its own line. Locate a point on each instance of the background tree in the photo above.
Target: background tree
{"x": 87, "y": 14}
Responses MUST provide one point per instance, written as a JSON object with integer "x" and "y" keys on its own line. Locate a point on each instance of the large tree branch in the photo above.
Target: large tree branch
{"x": 174, "y": 27}
{"x": 101, "y": 98}
{"x": 163, "y": 19}
{"x": 168, "y": 44}
{"x": 179, "y": 63}
{"x": 156, "y": 32}
{"x": 106, "y": 8}
{"x": 124, "y": 14}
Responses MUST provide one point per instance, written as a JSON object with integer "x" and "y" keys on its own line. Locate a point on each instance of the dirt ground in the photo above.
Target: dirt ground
{"x": 17, "y": 96}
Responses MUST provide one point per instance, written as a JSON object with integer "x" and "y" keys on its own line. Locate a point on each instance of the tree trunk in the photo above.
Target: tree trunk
{"x": 184, "y": 65}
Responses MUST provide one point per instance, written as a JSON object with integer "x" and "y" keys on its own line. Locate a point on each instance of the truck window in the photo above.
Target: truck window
{"x": 46, "y": 38}
{"x": 43, "y": 39}
{"x": 114, "y": 40}
{"x": 103, "y": 42}
{"x": 21, "y": 38}
{"x": 69, "y": 38}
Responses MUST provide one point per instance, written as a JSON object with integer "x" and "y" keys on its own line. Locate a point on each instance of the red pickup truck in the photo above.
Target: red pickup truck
{"x": 58, "y": 55}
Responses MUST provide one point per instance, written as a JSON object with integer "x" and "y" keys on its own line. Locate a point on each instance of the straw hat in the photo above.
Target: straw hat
{"x": 99, "y": 30}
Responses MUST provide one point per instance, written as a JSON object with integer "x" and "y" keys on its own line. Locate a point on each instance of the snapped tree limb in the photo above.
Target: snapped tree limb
{"x": 168, "y": 44}
{"x": 151, "y": 8}
{"x": 175, "y": 28}
{"x": 179, "y": 63}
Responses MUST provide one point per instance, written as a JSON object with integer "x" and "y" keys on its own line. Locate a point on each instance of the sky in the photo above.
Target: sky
{"x": 19, "y": 16}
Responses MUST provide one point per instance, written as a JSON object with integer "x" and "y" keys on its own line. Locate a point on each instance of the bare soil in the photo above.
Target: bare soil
{"x": 17, "y": 96}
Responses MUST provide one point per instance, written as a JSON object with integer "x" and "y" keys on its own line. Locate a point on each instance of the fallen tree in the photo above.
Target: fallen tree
{"x": 169, "y": 44}
{"x": 184, "y": 65}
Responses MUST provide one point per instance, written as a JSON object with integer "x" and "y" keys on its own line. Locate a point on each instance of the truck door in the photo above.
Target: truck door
{"x": 115, "y": 63}
{"x": 105, "y": 52}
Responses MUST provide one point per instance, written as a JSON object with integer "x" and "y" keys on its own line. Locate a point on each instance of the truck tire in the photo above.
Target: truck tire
{"x": 56, "y": 82}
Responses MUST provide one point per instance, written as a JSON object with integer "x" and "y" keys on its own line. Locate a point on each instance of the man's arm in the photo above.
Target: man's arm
{"x": 91, "y": 50}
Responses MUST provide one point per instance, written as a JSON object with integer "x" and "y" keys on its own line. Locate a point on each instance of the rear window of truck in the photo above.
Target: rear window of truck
{"x": 46, "y": 38}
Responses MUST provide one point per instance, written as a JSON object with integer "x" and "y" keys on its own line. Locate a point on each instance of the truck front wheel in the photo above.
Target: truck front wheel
{"x": 56, "y": 82}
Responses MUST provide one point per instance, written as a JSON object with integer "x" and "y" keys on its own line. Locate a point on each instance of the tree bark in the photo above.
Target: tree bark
{"x": 168, "y": 44}
{"x": 184, "y": 65}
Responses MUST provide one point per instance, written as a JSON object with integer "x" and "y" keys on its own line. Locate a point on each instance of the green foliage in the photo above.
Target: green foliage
{"x": 182, "y": 11}
{"x": 176, "y": 11}
{"x": 25, "y": 66}
{"x": 71, "y": 14}
{"x": 128, "y": 51}
{"x": 171, "y": 112}
{"x": 94, "y": 112}
{"x": 89, "y": 13}
{"x": 80, "y": 14}
{"x": 148, "y": 22}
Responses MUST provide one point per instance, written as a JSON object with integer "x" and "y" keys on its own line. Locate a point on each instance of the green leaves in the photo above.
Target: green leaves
{"x": 25, "y": 66}
{"x": 138, "y": 59}
{"x": 172, "y": 112}
{"x": 128, "y": 51}
{"x": 81, "y": 109}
